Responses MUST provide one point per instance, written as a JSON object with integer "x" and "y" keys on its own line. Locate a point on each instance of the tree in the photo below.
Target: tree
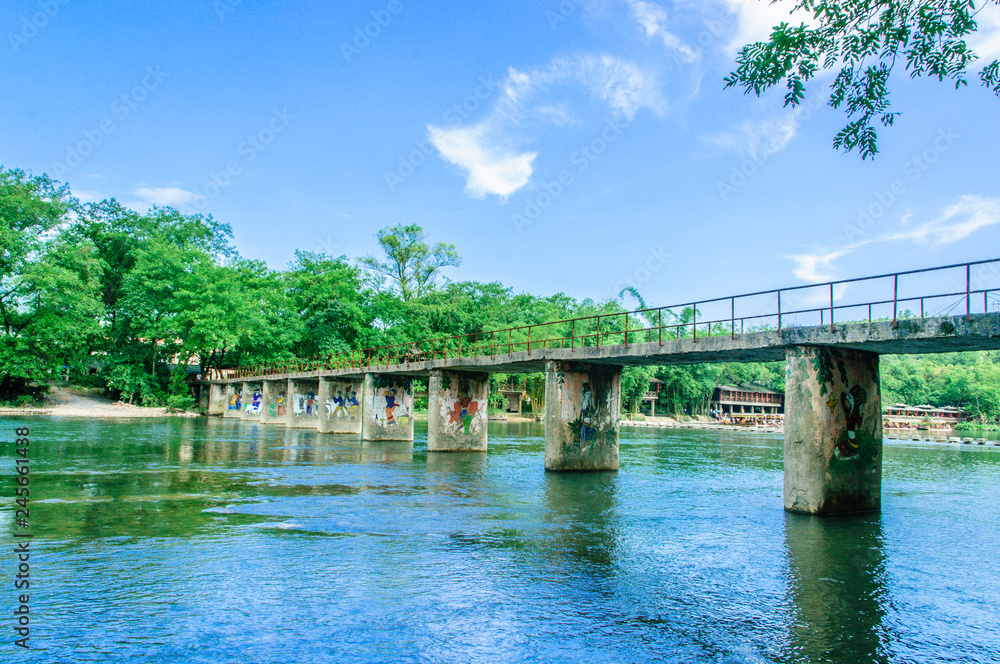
{"x": 411, "y": 264}
{"x": 865, "y": 39}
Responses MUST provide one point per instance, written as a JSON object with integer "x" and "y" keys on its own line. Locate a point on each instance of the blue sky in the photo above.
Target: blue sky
{"x": 570, "y": 146}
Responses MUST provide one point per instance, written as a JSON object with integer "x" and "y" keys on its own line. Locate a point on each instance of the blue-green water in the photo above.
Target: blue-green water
{"x": 183, "y": 540}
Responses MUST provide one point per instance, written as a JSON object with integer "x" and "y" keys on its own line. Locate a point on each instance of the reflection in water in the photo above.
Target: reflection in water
{"x": 838, "y": 587}
{"x": 582, "y": 508}
{"x": 387, "y": 451}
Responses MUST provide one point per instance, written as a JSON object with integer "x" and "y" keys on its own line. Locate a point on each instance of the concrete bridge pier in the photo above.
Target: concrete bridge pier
{"x": 340, "y": 405}
{"x": 303, "y": 412}
{"x": 274, "y": 402}
{"x": 457, "y": 411}
{"x": 387, "y": 413}
{"x": 833, "y": 430}
{"x": 252, "y": 399}
{"x": 582, "y": 407}
{"x": 234, "y": 400}
{"x": 216, "y": 399}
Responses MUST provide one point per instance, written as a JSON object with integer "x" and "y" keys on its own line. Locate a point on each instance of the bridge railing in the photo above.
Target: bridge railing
{"x": 967, "y": 288}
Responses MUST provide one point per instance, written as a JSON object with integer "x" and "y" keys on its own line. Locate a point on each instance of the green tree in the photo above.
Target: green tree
{"x": 410, "y": 263}
{"x": 865, "y": 40}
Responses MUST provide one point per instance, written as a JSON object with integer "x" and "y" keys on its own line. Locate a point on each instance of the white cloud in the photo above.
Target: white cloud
{"x": 954, "y": 223}
{"x": 163, "y": 196}
{"x": 986, "y": 41}
{"x": 654, "y": 22}
{"x": 758, "y": 137}
{"x": 756, "y": 20}
{"x": 488, "y": 152}
{"x": 491, "y": 170}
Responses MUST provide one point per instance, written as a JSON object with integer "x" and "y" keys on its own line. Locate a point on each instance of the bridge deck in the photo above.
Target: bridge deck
{"x": 905, "y": 336}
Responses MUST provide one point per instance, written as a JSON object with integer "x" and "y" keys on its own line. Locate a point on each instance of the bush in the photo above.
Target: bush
{"x": 181, "y": 402}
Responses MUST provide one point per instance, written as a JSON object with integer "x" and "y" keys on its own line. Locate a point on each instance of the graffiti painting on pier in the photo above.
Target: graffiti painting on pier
{"x": 590, "y": 398}
{"x": 254, "y": 406}
{"x": 235, "y": 401}
{"x": 463, "y": 411}
{"x": 278, "y": 408}
{"x": 391, "y": 402}
{"x": 343, "y": 406}
{"x": 852, "y": 403}
{"x": 304, "y": 405}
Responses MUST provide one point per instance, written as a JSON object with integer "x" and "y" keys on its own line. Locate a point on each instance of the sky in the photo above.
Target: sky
{"x": 571, "y": 146}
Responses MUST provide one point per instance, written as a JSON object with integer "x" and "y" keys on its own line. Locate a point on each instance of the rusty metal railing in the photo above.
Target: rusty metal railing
{"x": 659, "y": 324}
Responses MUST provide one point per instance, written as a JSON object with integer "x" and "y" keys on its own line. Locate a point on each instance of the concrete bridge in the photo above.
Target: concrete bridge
{"x": 833, "y": 411}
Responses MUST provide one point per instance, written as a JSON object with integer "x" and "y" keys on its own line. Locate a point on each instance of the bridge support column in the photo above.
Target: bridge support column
{"x": 457, "y": 411}
{"x": 833, "y": 430}
{"x": 216, "y": 399}
{"x": 274, "y": 402}
{"x": 340, "y": 405}
{"x": 252, "y": 398}
{"x": 234, "y": 400}
{"x": 582, "y": 412}
{"x": 388, "y": 408}
{"x": 304, "y": 410}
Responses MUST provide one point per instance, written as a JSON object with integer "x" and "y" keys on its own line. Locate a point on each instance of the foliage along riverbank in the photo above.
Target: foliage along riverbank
{"x": 123, "y": 301}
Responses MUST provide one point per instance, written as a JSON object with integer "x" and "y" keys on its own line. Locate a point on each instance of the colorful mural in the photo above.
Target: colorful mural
{"x": 463, "y": 411}
{"x": 278, "y": 407}
{"x": 586, "y": 410}
{"x": 235, "y": 401}
{"x": 389, "y": 403}
{"x": 852, "y": 403}
{"x": 304, "y": 405}
{"x": 254, "y": 406}
{"x": 343, "y": 407}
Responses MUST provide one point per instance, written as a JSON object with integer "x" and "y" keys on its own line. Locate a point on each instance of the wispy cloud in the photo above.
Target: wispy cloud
{"x": 492, "y": 152}
{"x": 164, "y": 196}
{"x": 655, "y": 25}
{"x": 953, "y": 223}
{"x": 758, "y": 137}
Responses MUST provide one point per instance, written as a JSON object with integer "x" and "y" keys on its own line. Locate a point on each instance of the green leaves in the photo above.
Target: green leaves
{"x": 865, "y": 39}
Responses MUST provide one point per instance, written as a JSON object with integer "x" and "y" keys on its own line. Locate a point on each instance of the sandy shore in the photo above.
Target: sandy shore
{"x": 76, "y": 402}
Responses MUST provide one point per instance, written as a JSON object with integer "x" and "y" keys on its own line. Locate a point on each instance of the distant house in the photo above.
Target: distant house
{"x": 902, "y": 416}
{"x": 738, "y": 401}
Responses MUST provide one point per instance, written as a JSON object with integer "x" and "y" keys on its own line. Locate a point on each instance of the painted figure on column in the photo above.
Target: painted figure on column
{"x": 389, "y": 403}
{"x": 852, "y": 402}
{"x": 235, "y": 402}
{"x": 353, "y": 405}
{"x": 586, "y": 410}
{"x": 304, "y": 404}
{"x": 254, "y": 406}
{"x": 337, "y": 404}
{"x": 463, "y": 411}
{"x": 277, "y": 408}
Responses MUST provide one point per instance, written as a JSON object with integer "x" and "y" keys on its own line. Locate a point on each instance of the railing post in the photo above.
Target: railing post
{"x": 732, "y": 318}
{"x": 779, "y": 311}
{"x": 529, "y": 342}
{"x": 598, "y": 332}
{"x": 831, "y": 307}
{"x": 694, "y": 323}
{"x": 572, "y": 336}
{"x": 895, "y": 298}
{"x": 509, "y": 347}
{"x": 659, "y": 324}
{"x": 626, "y": 330}
{"x": 493, "y": 343}
{"x": 968, "y": 296}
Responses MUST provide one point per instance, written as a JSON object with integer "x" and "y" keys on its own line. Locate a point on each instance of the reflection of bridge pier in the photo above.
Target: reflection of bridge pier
{"x": 837, "y": 588}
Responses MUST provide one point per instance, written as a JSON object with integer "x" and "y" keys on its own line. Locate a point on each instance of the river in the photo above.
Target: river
{"x": 209, "y": 540}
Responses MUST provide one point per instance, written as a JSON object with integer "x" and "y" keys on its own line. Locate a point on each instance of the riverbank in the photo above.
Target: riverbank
{"x": 83, "y": 402}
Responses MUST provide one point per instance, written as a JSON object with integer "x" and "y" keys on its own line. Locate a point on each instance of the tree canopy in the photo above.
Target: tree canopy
{"x": 864, "y": 41}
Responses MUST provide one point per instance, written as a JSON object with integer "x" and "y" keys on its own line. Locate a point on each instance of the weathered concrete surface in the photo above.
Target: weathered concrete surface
{"x": 234, "y": 400}
{"x": 340, "y": 405}
{"x": 457, "y": 411}
{"x": 252, "y": 399}
{"x": 303, "y": 412}
{"x": 274, "y": 402}
{"x": 910, "y": 335}
{"x": 582, "y": 406}
{"x": 387, "y": 413}
{"x": 216, "y": 399}
{"x": 833, "y": 430}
